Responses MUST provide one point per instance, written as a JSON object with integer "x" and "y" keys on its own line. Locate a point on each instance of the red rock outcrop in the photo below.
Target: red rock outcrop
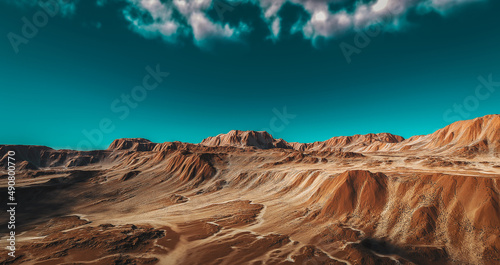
{"x": 237, "y": 138}
{"x": 356, "y": 142}
{"x": 465, "y": 138}
{"x": 133, "y": 144}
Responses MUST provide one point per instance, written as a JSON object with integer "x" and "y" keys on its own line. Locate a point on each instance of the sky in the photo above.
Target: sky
{"x": 79, "y": 74}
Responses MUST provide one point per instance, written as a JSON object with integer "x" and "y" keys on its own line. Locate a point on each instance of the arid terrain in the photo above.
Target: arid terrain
{"x": 247, "y": 198}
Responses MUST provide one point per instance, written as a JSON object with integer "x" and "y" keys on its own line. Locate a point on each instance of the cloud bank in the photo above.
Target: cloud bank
{"x": 175, "y": 20}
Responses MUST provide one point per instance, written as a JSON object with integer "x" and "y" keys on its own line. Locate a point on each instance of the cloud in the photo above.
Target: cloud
{"x": 177, "y": 20}
{"x": 446, "y": 6}
{"x": 390, "y": 14}
{"x": 270, "y": 9}
{"x": 152, "y": 19}
{"x": 276, "y": 27}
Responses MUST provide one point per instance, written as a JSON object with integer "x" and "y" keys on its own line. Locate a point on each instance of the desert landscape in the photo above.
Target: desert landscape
{"x": 247, "y": 198}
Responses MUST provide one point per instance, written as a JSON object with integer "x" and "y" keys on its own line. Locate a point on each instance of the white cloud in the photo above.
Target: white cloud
{"x": 276, "y": 27}
{"x": 270, "y": 10}
{"x": 151, "y": 19}
{"x": 203, "y": 28}
{"x": 380, "y": 5}
{"x": 325, "y": 24}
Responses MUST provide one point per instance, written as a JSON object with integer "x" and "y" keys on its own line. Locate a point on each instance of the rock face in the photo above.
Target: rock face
{"x": 247, "y": 198}
{"x": 191, "y": 168}
{"x": 236, "y": 138}
{"x": 470, "y": 137}
{"x": 264, "y": 140}
{"x": 133, "y": 144}
{"x": 32, "y": 154}
{"x": 351, "y": 191}
{"x": 356, "y": 142}
{"x": 482, "y": 132}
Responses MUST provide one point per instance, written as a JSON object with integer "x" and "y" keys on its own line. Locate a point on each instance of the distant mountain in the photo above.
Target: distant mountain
{"x": 464, "y": 138}
{"x": 355, "y": 142}
{"x": 237, "y": 138}
{"x": 136, "y": 144}
{"x": 467, "y": 138}
{"x": 480, "y": 136}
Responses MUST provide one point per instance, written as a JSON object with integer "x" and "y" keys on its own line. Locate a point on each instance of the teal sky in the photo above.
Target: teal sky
{"x": 230, "y": 71}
